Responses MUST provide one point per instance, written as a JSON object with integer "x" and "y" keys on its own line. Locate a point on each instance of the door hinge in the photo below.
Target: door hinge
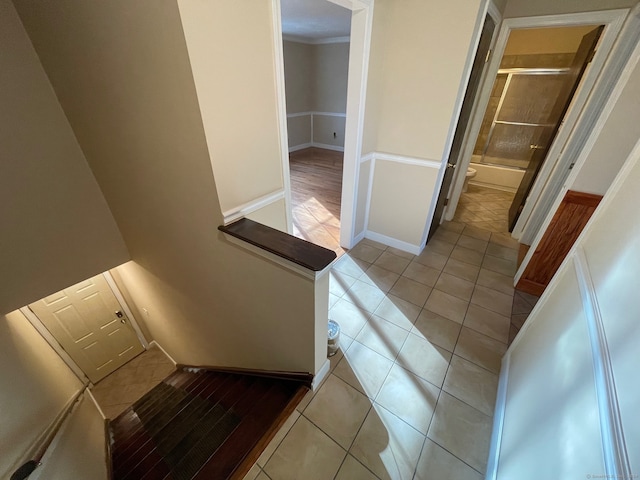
{"x": 591, "y": 55}
{"x": 446, "y": 202}
{"x": 486, "y": 59}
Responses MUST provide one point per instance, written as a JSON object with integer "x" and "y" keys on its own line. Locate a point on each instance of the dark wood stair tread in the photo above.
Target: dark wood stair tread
{"x": 201, "y": 424}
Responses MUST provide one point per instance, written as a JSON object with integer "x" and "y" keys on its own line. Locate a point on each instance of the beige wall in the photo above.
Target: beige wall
{"x": 56, "y": 226}
{"x": 273, "y": 215}
{"x": 418, "y": 53}
{"x": 316, "y": 77}
{"x": 298, "y": 76}
{"x": 331, "y": 69}
{"x": 35, "y": 386}
{"x": 135, "y": 112}
{"x": 316, "y": 81}
{"x": 619, "y": 134}
{"x": 400, "y": 192}
{"x": 81, "y": 450}
{"x": 299, "y": 130}
{"x": 324, "y": 127}
{"x": 234, "y": 106}
{"x": 527, "y": 8}
{"x": 546, "y": 40}
{"x": 240, "y": 317}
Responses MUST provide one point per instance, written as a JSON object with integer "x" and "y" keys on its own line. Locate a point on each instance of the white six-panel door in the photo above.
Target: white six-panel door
{"x": 89, "y": 323}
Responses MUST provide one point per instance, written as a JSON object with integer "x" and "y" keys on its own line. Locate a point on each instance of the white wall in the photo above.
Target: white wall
{"x": 614, "y": 142}
{"x": 419, "y": 51}
{"x": 582, "y": 339}
{"x": 56, "y": 226}
{"x": 35, "y": 387}
{"x": 134, "y": 108}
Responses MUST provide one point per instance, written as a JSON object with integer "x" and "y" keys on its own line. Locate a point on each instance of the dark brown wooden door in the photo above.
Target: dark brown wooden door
{"x": 566, "y": 226}
{"x": 583, "y": 56}
{"x": 465, "y": 114}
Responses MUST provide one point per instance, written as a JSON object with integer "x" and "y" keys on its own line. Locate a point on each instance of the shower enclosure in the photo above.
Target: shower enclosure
{"x": 521, "y": 112}
{"x": 530, "y": 96}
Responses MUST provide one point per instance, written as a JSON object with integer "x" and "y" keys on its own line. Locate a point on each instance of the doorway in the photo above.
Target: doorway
{"x": 538, "y": 76}
{"x": 316, "y": 65}
{"x": 573, "y": 132}
{"x": 90, "y": 325}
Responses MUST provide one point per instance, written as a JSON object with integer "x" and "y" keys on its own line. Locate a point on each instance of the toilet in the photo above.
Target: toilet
{"x": 471, "y": 172}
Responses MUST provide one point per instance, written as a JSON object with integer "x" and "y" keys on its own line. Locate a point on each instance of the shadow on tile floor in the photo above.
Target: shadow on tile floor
{"x": 412, "y": 390}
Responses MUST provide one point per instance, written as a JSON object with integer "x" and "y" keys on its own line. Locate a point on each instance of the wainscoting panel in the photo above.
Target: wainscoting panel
{"x": 316, "y": 129}
{"x": 400, "y": 194}
{"x": 299, "y": 131}
{"x": 568, "y": 395}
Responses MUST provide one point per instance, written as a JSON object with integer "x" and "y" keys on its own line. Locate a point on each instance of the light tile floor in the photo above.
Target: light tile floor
{"x": 412, "y": 389}
{"x": 485, "y": 208}
{"x": 488, "y": 208}
{"x": 119, "y": 390}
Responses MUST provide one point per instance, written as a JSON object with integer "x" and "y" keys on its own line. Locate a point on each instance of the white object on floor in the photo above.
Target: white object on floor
{"x": 333, "y": 338}
{"x": 471, "y": 172}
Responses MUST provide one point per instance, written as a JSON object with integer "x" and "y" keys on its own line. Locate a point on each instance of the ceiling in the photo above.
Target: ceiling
{"x": 314, "y": 20}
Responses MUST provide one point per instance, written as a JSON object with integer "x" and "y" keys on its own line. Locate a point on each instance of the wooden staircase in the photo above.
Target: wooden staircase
{"x": 201, "y": 424}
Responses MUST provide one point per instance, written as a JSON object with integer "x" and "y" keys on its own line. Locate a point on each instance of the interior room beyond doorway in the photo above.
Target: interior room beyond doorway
{"x": 535, "y": 83}
{"x": 316, "y": 46}
{"x": 316, "y": 186}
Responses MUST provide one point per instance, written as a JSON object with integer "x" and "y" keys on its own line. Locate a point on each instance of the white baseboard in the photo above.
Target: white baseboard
{"x": 358, "y": 238}
{"x": 321, "y": 375}
{"x": 498, "y": 419}
{"x": 326, "y": 146}
{"x": 154, "y": 343}
{"x": 302, "y": 146}
{"x": 394, "y": 242}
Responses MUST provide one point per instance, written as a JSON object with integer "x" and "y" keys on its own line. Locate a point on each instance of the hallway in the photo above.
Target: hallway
{"x": 412, "y": 390}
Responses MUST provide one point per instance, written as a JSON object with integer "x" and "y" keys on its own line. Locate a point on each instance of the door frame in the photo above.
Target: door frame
{"x": 359, "y": 53}
{"x": 53, "y": 343}
{"x": 493, "y": 12}
{"x": 609, "y": 103}
{"x": 613, "y": 21}
{"x": 359, "y": 47}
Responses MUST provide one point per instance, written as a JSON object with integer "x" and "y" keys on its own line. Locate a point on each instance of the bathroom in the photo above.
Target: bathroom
{"x": 530, "y": 94}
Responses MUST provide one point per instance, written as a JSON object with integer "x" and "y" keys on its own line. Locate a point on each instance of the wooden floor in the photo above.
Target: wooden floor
{"x": 316, "y": 189}
{"x": 200, "y": 425}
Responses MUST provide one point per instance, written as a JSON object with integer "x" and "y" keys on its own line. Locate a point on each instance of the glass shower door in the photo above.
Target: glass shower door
{"x": 526, "y": 110}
